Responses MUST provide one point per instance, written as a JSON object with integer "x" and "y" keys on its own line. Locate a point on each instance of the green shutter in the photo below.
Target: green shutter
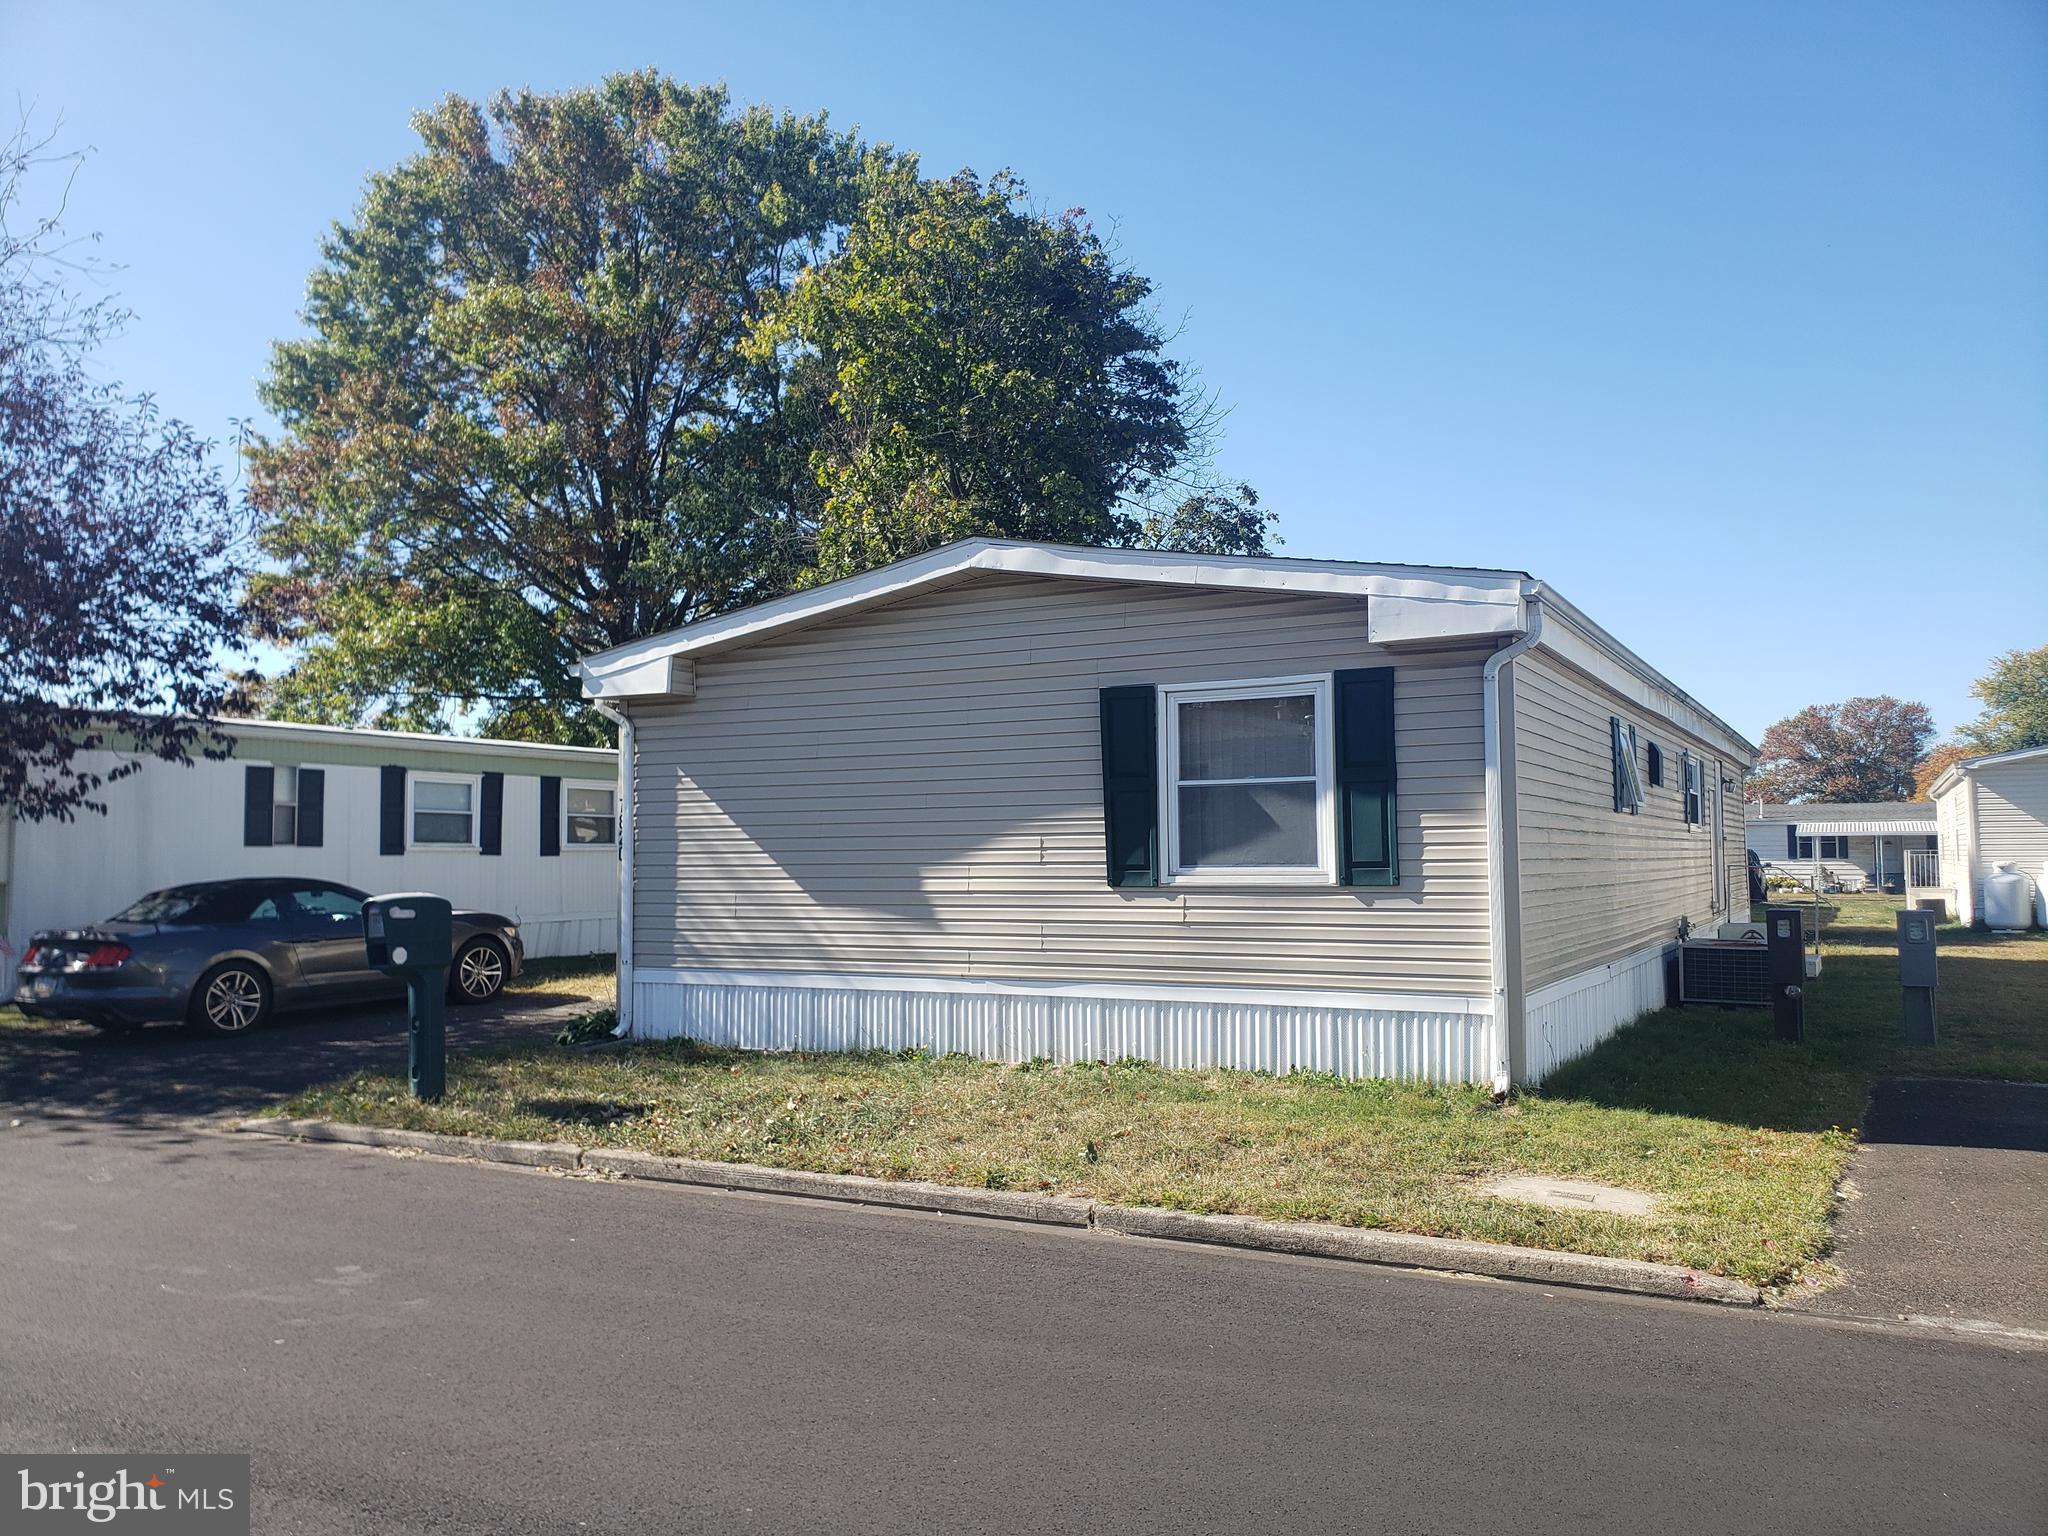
{"x": 1365, "y": 778}
{"x": 1130, "y": 784}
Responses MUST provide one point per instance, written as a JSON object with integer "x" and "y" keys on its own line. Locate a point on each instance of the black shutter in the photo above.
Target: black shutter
{"x": 1130, "y": 784}
{"x": 1792, "y": 840}
{"x": 1365, "y": 778}
{"x": 490, "y": 837}
{"x": 391, "y": 810}
{"x": 312, "y": 806}
{"x": 550, "y": 815}
{"x": 259, "y": 785}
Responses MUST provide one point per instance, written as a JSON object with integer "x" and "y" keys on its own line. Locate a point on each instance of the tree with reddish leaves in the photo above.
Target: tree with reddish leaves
{"x": 118, "y": 578}
{"x": 1858, "y": 750}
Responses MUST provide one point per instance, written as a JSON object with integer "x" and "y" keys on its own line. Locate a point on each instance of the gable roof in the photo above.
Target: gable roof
{"x": 1848, "y": 812}
{"x": 1497, "y": 593}
{"x": 1954, "y": 771}
{"x": 1404, "y": 605}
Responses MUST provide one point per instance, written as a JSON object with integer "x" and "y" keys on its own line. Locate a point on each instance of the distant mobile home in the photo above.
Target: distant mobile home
{"x": 1993, "y": 810}
{"x": 503, "y": 826}
{"x": 1023, "y": 800}
{"x": 1853, "y": 845}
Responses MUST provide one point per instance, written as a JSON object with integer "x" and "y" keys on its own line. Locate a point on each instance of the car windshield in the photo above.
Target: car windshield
{"x": 169, "y": 906}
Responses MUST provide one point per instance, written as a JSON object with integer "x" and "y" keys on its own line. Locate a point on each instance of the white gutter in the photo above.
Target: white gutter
{"x": 624, "y": 982}
{"x": 1496, "y": 842}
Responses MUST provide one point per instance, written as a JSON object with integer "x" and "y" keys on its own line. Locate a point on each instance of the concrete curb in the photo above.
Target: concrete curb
{"x": 1303, "y": 1238}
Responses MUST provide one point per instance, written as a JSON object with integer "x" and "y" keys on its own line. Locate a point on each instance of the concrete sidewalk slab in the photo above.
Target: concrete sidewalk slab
{"x": 1945, "y": 1214}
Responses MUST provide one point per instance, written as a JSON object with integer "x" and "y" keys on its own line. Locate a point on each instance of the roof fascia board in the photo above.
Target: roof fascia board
{"x": 1582, "y": 644}
{"x": 486, "y": 746}
{"x": 1969, "y": 765}
{"x": 1491, "y": 591}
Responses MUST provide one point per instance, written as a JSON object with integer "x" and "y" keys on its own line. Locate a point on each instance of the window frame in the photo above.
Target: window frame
{"x": 1622, "y": 745}
{"x": 1319, "y": 685}
{"x": 418, "y": 776}
{"x": 610, "y": 787}
{"x": 279, "y": 803}
{"x": 1692, "y": 802}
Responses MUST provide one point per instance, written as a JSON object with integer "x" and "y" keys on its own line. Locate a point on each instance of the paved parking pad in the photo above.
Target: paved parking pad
{"x": 1946, "y": 1211}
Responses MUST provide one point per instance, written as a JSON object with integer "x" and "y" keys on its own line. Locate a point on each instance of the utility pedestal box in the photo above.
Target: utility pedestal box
{"x": 1785, "y": 936}
{"x": 1916, "y": 974}
{"x": 409, "y": 936}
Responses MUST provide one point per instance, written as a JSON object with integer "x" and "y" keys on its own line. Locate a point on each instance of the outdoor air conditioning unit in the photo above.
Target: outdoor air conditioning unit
{"x": 1724, "y": 973}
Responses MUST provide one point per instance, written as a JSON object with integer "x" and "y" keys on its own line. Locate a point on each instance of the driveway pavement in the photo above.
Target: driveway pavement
{"x": 1947, "y": 1207}
{"x": 165, "y": 1074}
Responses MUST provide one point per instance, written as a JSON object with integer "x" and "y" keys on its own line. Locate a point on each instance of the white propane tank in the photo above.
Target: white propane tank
{"x": 2008, "y": 897}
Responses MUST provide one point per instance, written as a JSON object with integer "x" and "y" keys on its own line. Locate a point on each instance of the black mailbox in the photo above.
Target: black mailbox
{"x": 1916, "y": 974}
{"x": 409, "y": 935}
{"x": 1785, "y": 938}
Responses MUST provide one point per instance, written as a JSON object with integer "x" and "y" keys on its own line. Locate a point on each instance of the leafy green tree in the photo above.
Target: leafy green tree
{"x": 592, "y": 365}
{"x": 2014, "y": 694}
{"x": 991, "y": 371}
{"x": 526, "y": 424}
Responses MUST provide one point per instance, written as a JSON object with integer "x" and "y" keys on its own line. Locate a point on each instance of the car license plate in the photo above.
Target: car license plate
{"x": 46, "y": 986}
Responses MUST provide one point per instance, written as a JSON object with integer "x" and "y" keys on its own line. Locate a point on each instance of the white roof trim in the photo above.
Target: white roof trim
{"x": 1856, "y": 828}
{"x": 1963, "y": 765}
{"x": 1327, "y": 578}
{"x": 488, "y": 746}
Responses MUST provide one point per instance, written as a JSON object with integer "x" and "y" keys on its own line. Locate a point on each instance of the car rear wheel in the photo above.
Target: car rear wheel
{"x": 479, "y": 972}
{"x": 230, "y": 999}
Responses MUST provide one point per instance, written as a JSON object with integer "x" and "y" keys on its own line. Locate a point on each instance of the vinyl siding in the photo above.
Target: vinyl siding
{"x": 1597, "y": 885}
{"x": 2012, "y": 820}
{"x": 916, "y": 790}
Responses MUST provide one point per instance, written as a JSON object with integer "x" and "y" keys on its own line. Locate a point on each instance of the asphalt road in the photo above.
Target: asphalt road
{"x": 407, "y": 1345}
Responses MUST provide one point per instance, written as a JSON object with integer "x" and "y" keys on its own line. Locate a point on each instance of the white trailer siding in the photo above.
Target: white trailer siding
{"x": 170, "y": 823}
{"x": 2012, "y": 821}
{"x": 916, "y": 791}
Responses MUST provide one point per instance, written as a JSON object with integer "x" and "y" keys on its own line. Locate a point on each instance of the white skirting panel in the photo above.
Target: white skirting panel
{"x": 1568, "y": 1018}
{"x": 569, "y": 933}
{"x": 1442, "y": 1040}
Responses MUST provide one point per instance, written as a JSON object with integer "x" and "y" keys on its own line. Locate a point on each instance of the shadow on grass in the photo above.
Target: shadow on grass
{"x": 1726, "y": 1065}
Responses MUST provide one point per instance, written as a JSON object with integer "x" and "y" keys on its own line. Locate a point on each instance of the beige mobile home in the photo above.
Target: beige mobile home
{"x": 1023, "y": 800}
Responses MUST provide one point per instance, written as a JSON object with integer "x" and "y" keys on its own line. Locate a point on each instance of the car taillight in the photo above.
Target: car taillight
{"x": 104, "y": 957}
{"x": 29, "y": 957}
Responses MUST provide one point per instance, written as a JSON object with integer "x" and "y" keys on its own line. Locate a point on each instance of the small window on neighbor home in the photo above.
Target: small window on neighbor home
{"x": 443, "y": 811}
{"x": 1806, "y": 847}
{"x": 1695, "y": 789}
{"x": 589, "y": 816}
{"x": 1248, "y": 771}
{"x": 1654, "y": 760}
{"x": 284, "y": 806}
{"x": 1628, "y": 783}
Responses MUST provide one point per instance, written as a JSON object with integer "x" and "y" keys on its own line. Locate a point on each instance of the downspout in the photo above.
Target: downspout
{"x": 1507, "y": 1019}
{"x": 624, "y": 722}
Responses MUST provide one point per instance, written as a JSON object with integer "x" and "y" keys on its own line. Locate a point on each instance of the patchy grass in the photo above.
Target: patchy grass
{"x": 1743, "y": 1137}
{"x": 594, "y": 977}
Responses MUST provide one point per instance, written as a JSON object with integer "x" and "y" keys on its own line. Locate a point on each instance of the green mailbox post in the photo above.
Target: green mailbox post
{"x": 409, "y": 936}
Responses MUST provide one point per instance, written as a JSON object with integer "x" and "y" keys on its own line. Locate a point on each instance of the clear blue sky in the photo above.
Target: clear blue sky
{"x": 1722, "y": 317}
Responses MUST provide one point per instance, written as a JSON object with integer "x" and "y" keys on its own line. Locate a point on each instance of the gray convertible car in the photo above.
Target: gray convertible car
{"x": 224, "y": 955}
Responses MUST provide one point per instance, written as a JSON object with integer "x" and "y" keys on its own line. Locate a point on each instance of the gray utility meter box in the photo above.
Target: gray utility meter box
{"x": 409, "y": 936}
{"x": 1785, "y": 938}
{"x": 1916, "y": 974}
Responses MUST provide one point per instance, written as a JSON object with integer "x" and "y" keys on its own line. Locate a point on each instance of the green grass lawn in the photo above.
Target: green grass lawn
{"x": 1744, "y": 1137}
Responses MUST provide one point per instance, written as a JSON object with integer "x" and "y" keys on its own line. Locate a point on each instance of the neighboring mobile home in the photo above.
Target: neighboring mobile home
{"x": 1848, "y": 846}
{"x": 503, "y": 826}
{"x": 1021, "y": 800}
{"x": 1993, "y": 810}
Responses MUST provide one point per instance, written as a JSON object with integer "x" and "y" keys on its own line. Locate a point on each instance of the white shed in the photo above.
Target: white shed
{"x": 1989, "y": 811}
{"x": 522, "y": 828}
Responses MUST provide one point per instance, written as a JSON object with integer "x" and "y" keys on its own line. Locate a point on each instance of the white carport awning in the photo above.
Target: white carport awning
{"x": 1864, "y": 828}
